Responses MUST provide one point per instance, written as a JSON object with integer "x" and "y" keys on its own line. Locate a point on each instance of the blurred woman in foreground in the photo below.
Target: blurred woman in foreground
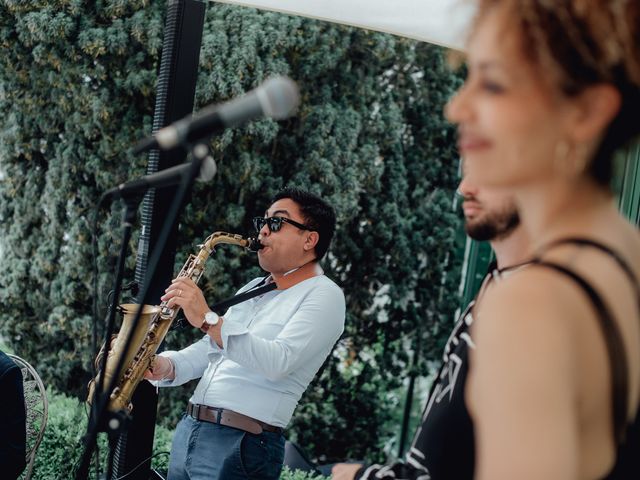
{"x": 553, "y": 91}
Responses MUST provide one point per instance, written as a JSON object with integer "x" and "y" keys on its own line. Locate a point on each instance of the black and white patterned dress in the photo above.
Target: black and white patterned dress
{"x": 443, "y": 446}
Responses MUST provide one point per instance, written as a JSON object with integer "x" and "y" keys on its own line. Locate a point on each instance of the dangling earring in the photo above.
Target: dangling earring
{"x": 569, "y": 160}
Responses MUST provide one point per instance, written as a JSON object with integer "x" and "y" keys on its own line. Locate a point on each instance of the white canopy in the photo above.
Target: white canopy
{"x": 443, "y": 22}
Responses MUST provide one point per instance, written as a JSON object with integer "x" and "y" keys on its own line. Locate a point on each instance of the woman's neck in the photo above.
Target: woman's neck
{"x": 561, "y": 209}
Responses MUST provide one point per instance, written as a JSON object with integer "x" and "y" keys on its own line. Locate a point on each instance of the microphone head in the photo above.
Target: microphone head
{"x": 279, "y": 97}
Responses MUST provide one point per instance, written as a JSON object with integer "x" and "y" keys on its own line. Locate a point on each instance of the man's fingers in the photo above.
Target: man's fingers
{"x": 183, "y": 281}
{"x": 174, "y": 293}
{"x": 158, "y": 369}
{"x": 175, "y": 301}
{"x": 184, "y": 293}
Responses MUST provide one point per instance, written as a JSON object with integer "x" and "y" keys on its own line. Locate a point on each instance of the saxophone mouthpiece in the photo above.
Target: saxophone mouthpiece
{"x": 254, "y": 245}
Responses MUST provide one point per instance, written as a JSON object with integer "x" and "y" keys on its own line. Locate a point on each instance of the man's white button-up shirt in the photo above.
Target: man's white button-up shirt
{"x": 272, "y": 346}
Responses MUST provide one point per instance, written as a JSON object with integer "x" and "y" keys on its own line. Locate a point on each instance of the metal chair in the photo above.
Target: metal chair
{"x": 37, "y": 410}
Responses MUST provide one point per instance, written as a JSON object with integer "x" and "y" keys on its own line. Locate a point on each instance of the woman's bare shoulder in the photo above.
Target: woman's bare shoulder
{"x": 535, "y": 299}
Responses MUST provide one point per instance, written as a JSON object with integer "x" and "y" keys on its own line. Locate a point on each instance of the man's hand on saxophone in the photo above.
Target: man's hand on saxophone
{"x": 184, "y": 293}
{"x": 161, "y": 369}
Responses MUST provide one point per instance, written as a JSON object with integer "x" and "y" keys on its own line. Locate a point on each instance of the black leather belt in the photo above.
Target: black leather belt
{"x": 229, "y": 418}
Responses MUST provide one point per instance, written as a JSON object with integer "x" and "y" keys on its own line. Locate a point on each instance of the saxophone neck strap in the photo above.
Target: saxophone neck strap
{"x": 308, "y": 270}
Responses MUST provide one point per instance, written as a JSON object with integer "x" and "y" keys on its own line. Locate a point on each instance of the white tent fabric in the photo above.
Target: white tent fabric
{"x": 443, "y": 22}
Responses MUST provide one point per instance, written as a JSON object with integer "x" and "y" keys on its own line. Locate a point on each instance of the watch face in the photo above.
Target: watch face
{"x": 211, "y": 318}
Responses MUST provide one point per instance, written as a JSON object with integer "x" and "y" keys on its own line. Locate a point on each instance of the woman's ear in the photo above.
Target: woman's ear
{"x": 595, "y": 109}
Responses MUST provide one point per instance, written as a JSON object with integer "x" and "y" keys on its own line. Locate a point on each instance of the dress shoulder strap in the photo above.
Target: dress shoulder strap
{"x": 618, "y": 366}
{"x": 588, "y": 242}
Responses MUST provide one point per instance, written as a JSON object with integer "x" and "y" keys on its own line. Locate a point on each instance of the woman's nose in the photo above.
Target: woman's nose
{"x": 457, "y": 108}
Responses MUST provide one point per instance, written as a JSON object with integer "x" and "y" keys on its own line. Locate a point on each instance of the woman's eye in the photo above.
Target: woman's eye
{"x": 492, "y": 87}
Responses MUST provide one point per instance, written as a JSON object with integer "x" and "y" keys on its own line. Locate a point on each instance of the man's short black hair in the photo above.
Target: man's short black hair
{"x": 317, "y": 213}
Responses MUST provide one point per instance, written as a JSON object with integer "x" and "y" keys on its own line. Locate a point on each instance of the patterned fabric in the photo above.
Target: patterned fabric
{"x": 443, "y": 445}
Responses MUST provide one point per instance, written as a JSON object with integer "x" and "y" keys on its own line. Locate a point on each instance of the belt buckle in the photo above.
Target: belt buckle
{"x": 195, "y": 411}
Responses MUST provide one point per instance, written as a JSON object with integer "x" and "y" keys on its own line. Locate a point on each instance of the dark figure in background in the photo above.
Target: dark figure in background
{"x": 13, "y": 433}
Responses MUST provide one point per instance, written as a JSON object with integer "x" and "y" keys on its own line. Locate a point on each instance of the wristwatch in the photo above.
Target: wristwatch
{"x": 211, "y": 319}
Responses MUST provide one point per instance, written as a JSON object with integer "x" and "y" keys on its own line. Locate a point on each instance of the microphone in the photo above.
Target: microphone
{"x": 277, "y": 98}
{"x": 163, "y": 178}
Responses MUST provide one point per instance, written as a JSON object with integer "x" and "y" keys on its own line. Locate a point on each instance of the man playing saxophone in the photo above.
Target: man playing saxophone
{"x": 256, "y": 361}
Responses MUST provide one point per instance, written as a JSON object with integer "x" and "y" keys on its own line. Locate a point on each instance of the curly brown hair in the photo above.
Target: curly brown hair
{"x": 581, "y": 43}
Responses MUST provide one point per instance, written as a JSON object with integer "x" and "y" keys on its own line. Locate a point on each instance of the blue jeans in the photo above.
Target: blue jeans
{"x": 208, "y": 451}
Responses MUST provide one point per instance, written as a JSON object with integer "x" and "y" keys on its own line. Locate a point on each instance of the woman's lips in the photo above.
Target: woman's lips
{"x": 471, "y": 144}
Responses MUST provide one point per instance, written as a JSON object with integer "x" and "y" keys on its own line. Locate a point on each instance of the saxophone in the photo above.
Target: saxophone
{"x": 152, "y": 328}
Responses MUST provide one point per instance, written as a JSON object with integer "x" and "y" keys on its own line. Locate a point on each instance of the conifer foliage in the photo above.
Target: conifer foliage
{"x": 77, "y": 88}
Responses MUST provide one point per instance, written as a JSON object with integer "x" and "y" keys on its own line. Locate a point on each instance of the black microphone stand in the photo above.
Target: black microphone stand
{"x": 101, "y": 419}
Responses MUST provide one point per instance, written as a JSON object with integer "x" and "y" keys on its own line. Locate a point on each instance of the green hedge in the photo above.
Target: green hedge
{"x": 60, "y": 449}
{"x": 77, "y": 89}
{"x": 299, "y": 475}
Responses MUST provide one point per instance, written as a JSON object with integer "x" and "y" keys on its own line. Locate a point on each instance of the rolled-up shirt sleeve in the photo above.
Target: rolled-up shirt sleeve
{"x": 310, "y": 332}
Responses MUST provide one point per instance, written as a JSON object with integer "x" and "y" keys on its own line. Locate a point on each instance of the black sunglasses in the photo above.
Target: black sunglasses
{"x": 275, "y": 223}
